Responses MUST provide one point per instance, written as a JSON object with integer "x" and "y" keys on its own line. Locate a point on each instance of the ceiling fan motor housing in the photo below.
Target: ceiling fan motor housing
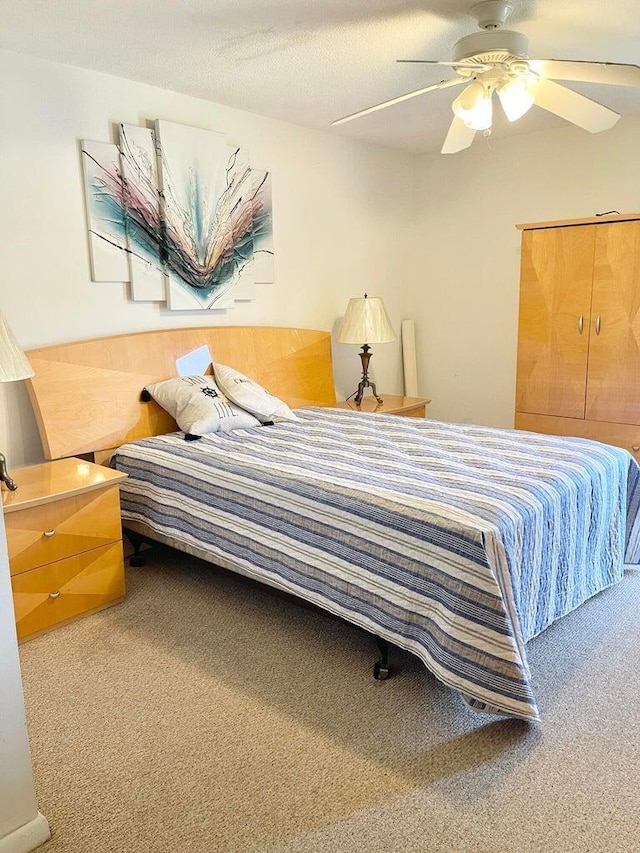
{"x": 491, "y": 14}
{"x": 491, "y": 46}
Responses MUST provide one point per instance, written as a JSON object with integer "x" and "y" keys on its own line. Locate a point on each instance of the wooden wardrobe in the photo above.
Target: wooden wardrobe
{"x": 579, "y": 330}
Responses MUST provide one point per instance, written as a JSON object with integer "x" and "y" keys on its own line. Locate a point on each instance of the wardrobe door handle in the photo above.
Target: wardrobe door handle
{"x": 54, "y": 595}
{"x": 598, "y": 325}
{"x": 48, "y": 533}
{"x": 635, "y": 447}
{"x": 580, "y": 324}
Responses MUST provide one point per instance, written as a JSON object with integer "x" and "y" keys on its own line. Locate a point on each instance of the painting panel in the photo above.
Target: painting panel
{"x": 251, "y": 209}
{"x": 107, "y": 229}
{"x": 240, "y": 184}
{"x": 142, "y": 213}
{"x": 264, "y": 272}
{"x": 198, "y": 247}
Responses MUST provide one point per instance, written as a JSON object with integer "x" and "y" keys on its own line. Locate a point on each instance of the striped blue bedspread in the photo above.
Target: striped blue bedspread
{"x": 458, "y": 543}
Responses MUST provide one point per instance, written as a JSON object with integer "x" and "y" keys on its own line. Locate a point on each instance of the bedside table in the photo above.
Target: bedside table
{"x": 408, "y": 407}
{"x": 64, "y": 538}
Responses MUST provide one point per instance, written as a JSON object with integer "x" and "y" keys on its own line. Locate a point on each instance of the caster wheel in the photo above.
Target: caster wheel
{"x": 136, "y": 561}
{"x": 380, "y": 672}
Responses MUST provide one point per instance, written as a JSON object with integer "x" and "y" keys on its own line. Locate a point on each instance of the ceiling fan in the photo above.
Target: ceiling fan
{"x": 497, "y": 60}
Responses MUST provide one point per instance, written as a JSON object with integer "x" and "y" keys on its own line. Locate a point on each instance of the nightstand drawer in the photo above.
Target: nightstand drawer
{"x": 418, "y": 412}
{"x": 58, "y": 529}
{"x": 65, "y": 589}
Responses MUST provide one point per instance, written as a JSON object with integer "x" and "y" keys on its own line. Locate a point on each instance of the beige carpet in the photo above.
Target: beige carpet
{"x": 206, "y": 715}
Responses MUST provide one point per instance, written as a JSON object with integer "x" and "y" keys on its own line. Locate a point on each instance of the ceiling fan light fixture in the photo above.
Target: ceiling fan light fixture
{"x": 515, "y": 98}
{"x": 497, "y": 60}
{"x": 473, "y": 106}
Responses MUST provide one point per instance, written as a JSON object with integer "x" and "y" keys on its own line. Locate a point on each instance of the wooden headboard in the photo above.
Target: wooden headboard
{"x": 86, "y": 394}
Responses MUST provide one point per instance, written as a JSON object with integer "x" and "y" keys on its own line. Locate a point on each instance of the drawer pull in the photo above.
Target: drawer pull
{"x": 635, "y": 447}
{"x": 54, "y": 594}
{"x": 49, "y": 533}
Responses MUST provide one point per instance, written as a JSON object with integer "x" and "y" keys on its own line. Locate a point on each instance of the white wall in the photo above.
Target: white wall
{"x": 466, "y": 299}
{"x": 341, "y": 223}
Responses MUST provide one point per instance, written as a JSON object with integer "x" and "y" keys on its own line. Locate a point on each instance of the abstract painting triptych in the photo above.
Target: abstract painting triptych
{"x": 179, "y": 214}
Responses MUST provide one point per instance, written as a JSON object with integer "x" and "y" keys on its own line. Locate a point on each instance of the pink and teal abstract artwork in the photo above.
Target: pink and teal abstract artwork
{"x": 142, "y": 213}
{"x": 179, "y": 214}
{"x": 105, "y": 211}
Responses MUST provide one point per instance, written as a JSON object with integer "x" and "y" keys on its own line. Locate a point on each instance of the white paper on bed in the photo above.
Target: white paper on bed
{"x": 195, "y": 362}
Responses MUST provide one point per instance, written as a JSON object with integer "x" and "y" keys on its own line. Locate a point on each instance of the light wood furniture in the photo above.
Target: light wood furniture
{"x": 579, "y": 329}
{"x": 408, "y": 407}
{"x": 64, "y": 539}
{"x": 85, "y": 395}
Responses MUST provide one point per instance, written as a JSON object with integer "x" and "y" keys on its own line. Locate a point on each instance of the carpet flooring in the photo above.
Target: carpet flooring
{"x": 205, "y": 714}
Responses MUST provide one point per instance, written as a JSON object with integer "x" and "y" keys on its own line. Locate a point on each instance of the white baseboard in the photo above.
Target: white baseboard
{"x": 27, "y": 837}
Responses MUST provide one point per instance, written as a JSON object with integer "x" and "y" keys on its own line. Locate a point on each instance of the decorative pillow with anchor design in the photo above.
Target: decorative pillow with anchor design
{"x": 198, "y": 405}
{"x": 250, "y": 396}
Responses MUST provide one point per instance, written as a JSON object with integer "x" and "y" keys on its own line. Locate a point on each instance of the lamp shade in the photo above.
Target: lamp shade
{"x": 365, "y": 322}
{"x": 473, "y": 106}
{"x": 515, "y": 98}
{"x": 13, "y": 362}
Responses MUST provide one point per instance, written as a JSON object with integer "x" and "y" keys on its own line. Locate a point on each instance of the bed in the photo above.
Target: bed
{"x": 458, "y": 543}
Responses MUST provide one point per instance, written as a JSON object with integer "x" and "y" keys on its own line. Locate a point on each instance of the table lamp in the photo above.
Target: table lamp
{"x": 365, "y": 322}
{"x": 13, "y": 366}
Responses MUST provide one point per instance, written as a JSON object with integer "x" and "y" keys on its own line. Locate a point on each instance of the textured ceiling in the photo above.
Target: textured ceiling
{"x": 313, "y": 61}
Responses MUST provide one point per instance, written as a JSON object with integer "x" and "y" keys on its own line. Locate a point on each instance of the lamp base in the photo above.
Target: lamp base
{"x": 364, "y": 383}
{"x": 4, "y": 475}
{"x": 365, "y": 356}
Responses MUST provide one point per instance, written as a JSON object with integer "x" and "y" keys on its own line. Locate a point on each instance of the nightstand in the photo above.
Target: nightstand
{"x": 64, "y": 538}
{"x": 408, "y": 407}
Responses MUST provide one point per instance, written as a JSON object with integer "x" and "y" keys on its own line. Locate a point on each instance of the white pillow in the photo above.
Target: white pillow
{"x": 198, "y": 405}
{"x": 251, "y": 396}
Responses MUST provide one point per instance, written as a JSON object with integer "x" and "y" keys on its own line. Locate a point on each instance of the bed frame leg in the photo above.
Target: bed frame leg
{"x": 381, "y": 668}
{"x": 136, "y": 560}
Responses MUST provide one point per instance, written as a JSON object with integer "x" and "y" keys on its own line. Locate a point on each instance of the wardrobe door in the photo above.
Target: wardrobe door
{"x": 613, "y": 388}
{"x": 555, "y": 318}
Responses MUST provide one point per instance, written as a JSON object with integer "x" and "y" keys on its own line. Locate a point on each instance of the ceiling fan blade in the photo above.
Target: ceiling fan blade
{"x": 468, "y": 67}
{"x": 459, "y": 137}
{"x": 571, "y": 106}
{"x": 611, "y": 73}
{"x": 443, "y": 84}
{"x": 463, "y": 63}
